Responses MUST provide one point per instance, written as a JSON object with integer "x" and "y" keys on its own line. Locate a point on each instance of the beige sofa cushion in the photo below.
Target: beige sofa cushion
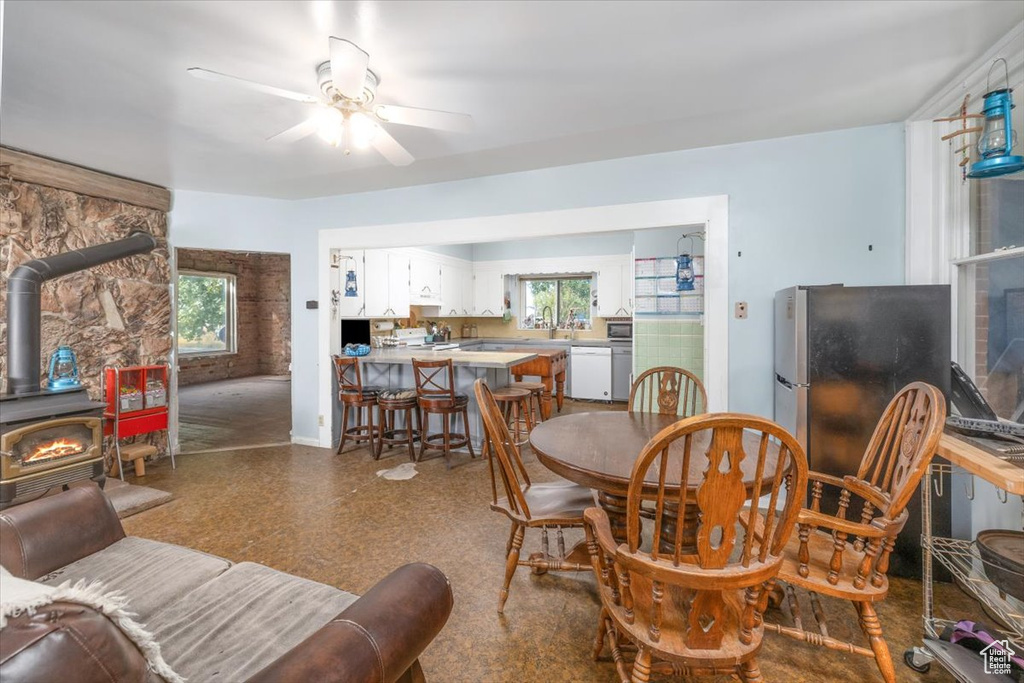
{"x": 235, "y": 625}
{"x": 149, "y": 573}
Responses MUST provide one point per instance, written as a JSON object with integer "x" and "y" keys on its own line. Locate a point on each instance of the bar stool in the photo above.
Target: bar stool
{"x": 352, "y": 394}
{"x": 536, "y": 390}
{"x": 515, "y": 405}
{"x": 436, "y": 395}
{"x": 389, "y": 403}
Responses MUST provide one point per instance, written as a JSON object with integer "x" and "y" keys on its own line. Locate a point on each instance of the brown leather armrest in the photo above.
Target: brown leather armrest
{"x": 54, "y": 531}
{"x": 377, "y": 638}
{"x": 68, "y": 642}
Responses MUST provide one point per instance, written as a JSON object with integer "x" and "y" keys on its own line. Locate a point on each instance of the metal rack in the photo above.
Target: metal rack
{"x": 962, "y": 560}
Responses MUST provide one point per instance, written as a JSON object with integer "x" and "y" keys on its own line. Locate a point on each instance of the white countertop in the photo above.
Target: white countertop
{"x": 477, "y": 359}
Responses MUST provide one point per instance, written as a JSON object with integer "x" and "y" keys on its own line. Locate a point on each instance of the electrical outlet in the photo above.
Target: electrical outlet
{"x": 320, "y": 420}
{"x": 741, "y": 310}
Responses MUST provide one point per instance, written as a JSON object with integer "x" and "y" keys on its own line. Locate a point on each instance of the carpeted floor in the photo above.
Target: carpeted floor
{"x": 331, "y": 518}
{"x": 249, "y": 411}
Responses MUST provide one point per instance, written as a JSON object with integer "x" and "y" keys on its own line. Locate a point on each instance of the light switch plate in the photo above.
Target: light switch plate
{"x": 741, "y": 310}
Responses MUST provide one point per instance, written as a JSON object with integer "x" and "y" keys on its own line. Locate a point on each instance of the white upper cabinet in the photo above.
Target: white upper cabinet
{"x": 627, "y": 287}
{"x": 488, "y": 293}
{"x": 456, "y": 290}
{"x": 425, "y": 286}
{"x": 386, "y": 288}
{"x": 615, "y": 289}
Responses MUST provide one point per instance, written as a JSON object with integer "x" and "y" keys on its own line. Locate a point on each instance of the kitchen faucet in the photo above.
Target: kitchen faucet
{"x": 549, "y": 317}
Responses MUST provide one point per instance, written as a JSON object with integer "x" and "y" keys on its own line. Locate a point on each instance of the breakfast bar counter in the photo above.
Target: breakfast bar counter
{"x": 392, "y": 369}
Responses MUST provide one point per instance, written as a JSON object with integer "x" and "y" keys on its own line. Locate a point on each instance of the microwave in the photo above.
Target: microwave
{"x": 621, "y": 330}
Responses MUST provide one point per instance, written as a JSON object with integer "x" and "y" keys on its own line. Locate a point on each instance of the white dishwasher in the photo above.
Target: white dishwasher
{"x": 591, "y": 372}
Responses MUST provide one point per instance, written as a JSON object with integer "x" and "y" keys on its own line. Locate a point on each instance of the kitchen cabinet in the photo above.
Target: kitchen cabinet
{"x": 386, "y": 288}
{"x": 488, "y": 293}
{"x": 622, "y": 372}
{"x": 456, "y": 290}
{"x": 615, "y": 290}
{"x": 425, "y": 281}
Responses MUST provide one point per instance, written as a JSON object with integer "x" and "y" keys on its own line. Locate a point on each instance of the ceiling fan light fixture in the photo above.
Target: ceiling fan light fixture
{"x": 362, "y": 130}
{"x": 330, "y": 125}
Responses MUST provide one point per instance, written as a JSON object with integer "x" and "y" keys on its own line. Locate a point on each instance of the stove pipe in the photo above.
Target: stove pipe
{"x": 23, "y": 289}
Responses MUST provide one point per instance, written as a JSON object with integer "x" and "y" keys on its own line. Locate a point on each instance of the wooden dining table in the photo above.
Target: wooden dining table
{"x": 598, "y": 450}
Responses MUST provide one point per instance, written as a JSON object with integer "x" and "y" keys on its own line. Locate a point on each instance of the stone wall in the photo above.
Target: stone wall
{"x": 118, "y": 313}
{"x": 263, "y": 328}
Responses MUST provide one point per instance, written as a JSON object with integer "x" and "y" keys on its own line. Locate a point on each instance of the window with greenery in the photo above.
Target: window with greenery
{"x": 568, "y": 298}
{"x": 206, "y": 313}
{"x": 990, "y": 290}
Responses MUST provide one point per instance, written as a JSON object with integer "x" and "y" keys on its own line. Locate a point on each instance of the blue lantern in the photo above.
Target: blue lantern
{"x": 998, "y": 137}
{"x": 351, "y": 286}
{"x": 684, "y": 267}
{"x": 63, "y": 370}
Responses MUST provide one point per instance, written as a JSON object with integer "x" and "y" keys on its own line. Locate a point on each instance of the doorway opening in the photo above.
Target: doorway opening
{"x": 233, "y": 329}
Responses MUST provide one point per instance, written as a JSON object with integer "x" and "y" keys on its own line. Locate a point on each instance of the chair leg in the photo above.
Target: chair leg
{"x": 344, "y": 426}
{"x": 642, "y": 666}
{"x": 382, "y": 417}
{"x": 465, "y": 425}
{"x": 873, "y": 630}
{"x": 424, "y": 428}
{"x": 374, "y": 443}
{"x": 408, "y": 432}
{"x": 511, "y": 562}
{"x": 599, "y": 639}
{"x": 446, "y": 431}
{"x": 750, "y": 672}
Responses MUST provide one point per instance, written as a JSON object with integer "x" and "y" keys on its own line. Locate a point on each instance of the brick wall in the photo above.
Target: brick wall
{"x": 263, "y": 320}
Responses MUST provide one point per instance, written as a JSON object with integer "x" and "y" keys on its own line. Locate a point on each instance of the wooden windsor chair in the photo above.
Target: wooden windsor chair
{"x": 848, "y": 559}
{"x": 696, "y": 610}
{"x": 669, "y": 391}
{"x": 436, "y": 395}
{"x": 527, "y": 505}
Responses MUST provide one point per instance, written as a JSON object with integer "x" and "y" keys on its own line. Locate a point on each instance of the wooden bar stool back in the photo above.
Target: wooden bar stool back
{"x": 354, "y": 396}
{"x": 514, "y": 405}
{"x": 436, "y": 395}
{"x": 693, "y": 606}
{"x": 390, "y": 402}
{"x": 668, "y": 390}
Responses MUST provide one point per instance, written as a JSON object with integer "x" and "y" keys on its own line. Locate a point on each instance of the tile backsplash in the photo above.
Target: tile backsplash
{"x": 679, "y": 343}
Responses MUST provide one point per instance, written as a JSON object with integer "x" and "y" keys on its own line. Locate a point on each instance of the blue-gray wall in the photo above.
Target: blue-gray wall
{"x": 801, "y": 210}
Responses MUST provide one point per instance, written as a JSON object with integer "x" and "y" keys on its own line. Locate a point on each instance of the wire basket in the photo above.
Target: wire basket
{"x": 357, "y": 350}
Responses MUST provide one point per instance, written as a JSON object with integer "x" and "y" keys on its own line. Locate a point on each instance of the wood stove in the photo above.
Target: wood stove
{"x": 49, "y": 438}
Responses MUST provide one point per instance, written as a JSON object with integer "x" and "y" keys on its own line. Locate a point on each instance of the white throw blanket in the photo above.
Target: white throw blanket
{"x": 19, "y": 596}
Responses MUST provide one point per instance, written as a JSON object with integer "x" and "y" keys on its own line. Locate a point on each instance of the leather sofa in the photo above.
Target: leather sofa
{"x": 214, "y": 620}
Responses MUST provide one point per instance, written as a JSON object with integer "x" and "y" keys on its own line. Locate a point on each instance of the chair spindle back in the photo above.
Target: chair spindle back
{"x": 669, "y": 391}
{"x": 503, "y": 450}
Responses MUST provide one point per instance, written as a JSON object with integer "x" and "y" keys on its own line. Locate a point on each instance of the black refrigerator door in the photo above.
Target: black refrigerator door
{"x": 864, "y": 345}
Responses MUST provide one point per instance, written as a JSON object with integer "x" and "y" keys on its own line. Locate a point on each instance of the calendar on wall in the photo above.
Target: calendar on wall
{"x": 655, "y": 287}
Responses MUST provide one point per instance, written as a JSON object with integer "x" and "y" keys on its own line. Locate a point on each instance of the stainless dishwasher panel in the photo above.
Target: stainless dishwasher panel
{"x": 622, "y": 372}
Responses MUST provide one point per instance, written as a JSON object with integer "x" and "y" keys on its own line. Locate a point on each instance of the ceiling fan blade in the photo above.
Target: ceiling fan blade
{"x": 296, "y": 132}
{"x": 390, "y": 149}
{"x": 425, "y": 118}
{"x": 217, "y": 77}
{"x": 348, "y": 67}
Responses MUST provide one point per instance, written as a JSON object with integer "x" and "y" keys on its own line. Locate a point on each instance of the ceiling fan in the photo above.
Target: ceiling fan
{"x": 346, "y": 114}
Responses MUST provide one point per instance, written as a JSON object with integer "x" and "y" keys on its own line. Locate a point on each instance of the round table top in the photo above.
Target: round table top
{"x": 598, "y": 449}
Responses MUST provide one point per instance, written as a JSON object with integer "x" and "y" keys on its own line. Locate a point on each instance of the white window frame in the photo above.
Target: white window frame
{"x": 555, "y": 278}
{"x": 232, "y": 312}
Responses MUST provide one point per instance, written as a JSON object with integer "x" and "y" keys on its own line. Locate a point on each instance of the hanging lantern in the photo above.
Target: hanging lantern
{"x": 63, "y": 370}
{"x": 995, "y": 146}
{"x": 684, "y": 267}
{"x": 351, "y": 286}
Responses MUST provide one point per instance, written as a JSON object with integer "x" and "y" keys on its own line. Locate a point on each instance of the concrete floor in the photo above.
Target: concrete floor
{"x": 232, "y": 413}
{"x": 330, "y": 518}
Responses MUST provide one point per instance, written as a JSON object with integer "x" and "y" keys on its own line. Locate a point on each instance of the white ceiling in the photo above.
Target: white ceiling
{"x": 103, "y": 84}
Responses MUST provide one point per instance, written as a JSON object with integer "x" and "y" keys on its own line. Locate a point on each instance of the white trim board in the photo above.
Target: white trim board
{"x": 711, "y": 212}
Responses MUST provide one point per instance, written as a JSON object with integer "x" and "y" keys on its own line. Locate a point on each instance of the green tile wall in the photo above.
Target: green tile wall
{"x": 668, "y": 342}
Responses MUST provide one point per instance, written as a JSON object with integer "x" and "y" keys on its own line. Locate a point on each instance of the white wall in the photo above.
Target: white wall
{"x": 802, "y": 210}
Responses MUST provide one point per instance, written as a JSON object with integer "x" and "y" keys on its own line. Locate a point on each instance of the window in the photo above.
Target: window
{"x": 206, "y": 313}
{"x": 567, "y": 297}
{"x": 990, "y": 291}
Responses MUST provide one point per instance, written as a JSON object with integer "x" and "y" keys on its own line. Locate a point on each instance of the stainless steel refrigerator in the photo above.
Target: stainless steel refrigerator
{"x": 841, "y": 354}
